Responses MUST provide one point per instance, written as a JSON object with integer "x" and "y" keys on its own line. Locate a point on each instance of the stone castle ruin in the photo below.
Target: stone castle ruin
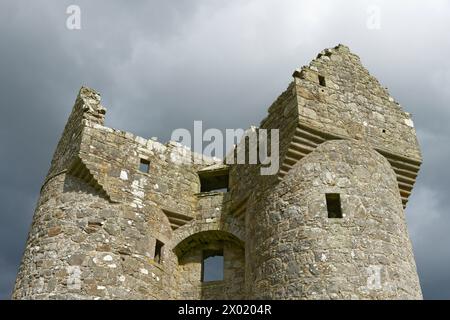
{"x": 119, "y": 218}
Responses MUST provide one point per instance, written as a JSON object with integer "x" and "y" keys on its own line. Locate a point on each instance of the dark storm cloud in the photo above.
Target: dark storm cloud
{"x": 161, "y": 65}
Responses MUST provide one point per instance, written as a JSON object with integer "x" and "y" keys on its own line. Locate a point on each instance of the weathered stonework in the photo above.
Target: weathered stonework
{"x": 99, "y": 219}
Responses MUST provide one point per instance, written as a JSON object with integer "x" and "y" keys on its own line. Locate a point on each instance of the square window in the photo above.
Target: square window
{"x": 212, "y": 265}
{"x": 333, "y": 205}
{"x": 214, "y": 182}
{"x": 144, "y": 166}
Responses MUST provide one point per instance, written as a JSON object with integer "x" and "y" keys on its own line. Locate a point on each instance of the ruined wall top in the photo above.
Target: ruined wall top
{"x": 337, "y": 95}
{"x": 88, "y": 100}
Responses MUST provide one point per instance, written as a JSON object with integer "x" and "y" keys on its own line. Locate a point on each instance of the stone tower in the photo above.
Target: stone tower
{"x": 122, "y": 217}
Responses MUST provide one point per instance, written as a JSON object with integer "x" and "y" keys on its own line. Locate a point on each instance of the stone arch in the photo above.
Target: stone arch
{"x": 190, "y": 252}
{"x": 192, "y": 238}
{"x": 227, "y": 225}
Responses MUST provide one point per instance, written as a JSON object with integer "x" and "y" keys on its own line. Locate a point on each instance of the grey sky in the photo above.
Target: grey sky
{"x": 161, "y": 65}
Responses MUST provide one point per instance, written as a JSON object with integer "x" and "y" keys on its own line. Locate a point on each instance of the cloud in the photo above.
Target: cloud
{"x": 161, "y": 65}
{"x": 428, "y": 223}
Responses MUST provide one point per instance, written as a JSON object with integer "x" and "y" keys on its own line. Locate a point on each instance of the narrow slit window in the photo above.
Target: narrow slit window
{"x": 322, "y": 81}
{"x": 212, "y": 265}
{"x": 333, "y": 205}
{"x": 144, "y": 166}
{"x": 158, "y": 251}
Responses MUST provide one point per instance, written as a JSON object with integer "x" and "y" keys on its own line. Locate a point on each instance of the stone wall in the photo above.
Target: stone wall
{"x": 83, "y": 247}
{"x": 353, "y": 103}
{"x": 232, "y": 286}
{"x": 298, "y": 252}
{"x": 99, "y": 217}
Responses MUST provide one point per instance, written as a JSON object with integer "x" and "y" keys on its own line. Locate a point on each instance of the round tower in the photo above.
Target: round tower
{"x": 123, "y": 217}
{"x": 96, "y": 234}
{"x": 334, "y": 228}
{"x": 332, "y": 225}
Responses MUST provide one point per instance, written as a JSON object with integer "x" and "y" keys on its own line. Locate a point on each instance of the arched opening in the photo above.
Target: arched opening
{"x": 211, "y": 265}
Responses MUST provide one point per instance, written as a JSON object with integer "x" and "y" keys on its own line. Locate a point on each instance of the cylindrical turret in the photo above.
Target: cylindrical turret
{"x": 92, "y": 239}
{"x": 333, "y": 228}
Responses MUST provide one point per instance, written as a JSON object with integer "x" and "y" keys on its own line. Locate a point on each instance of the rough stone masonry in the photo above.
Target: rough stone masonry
{"x": 120, "y": 217}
